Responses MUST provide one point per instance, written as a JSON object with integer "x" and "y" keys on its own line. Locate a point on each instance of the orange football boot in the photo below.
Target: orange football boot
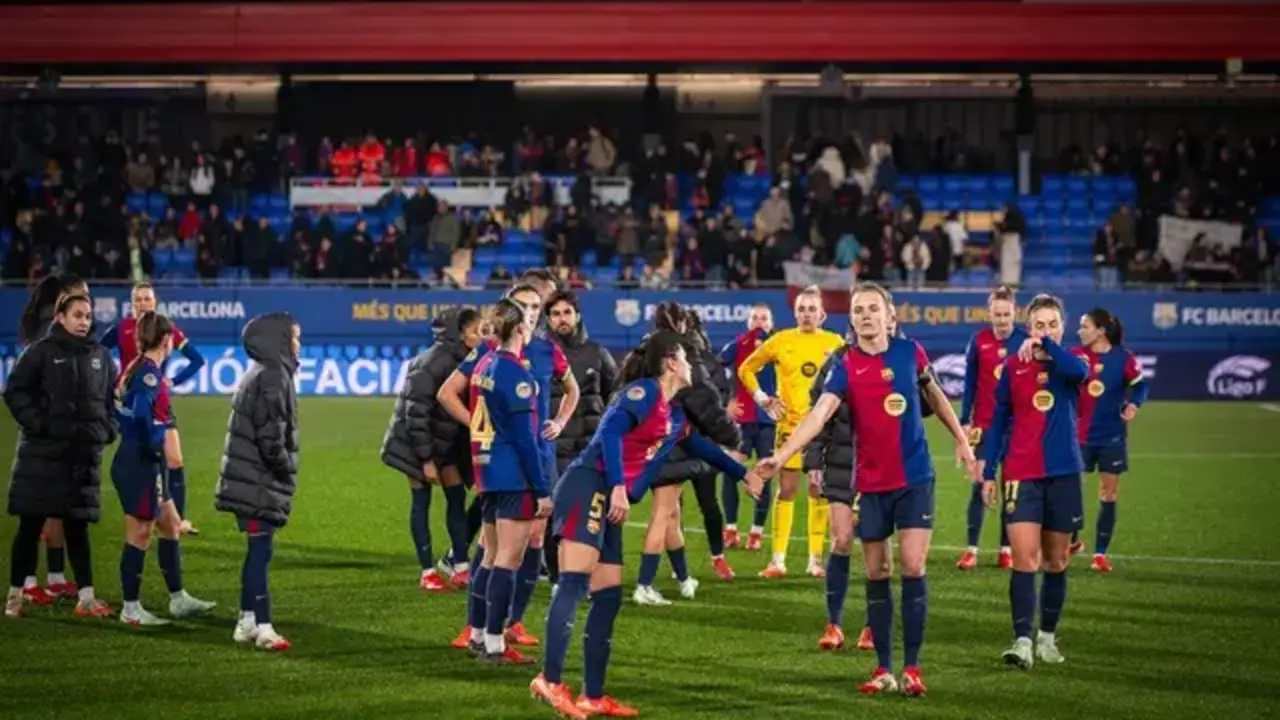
{"x": 731, "y": 538}
{"x": 721, "y": 566}
{"x": 1100, "y": 564}
{"x": 463, "y": 641}
{"x": 517, "y": 635}
{"x": 912, "y": 683}
{"x": 606, "y": 707}
{"x": 755, "y": 540}
{"x": 865, "y": 640}
{"x": 832, "y": 638}
{"x": 968, "y": 561}
{"x": 558, "y": 695}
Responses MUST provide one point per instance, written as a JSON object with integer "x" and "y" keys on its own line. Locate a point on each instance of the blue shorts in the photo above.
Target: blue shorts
{"x": 141, "y": 484}
{"x": 1113, "y": 459}
{"x": 580, "y": 514}
{"x": 508, "y": 506}
{"x": 757, "y": 439}
{"x": 1055, "y": 503}
{"x": 254, "y": 527}
{"x": 908, "y": 508}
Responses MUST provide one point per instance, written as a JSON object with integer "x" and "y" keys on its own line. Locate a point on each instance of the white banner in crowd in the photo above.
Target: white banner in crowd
{"x": 802, "y": 275}
{"x": 1177, "y": 234}
{"x": 461, "y": 192}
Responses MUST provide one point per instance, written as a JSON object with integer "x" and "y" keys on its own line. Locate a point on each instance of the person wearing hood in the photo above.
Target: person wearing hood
{"x": 425, "y": 444}
{"x": 61, "y": 395}
{"x": 33, "y": 324}
{"x": 259, "y": 473}
{"x": 597, "y": 375}
{"x": 706, "y": 410}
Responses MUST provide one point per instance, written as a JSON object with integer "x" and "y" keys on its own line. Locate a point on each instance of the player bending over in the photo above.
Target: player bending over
{"x": 137, "y": 471}
{"x": 591, "y": 504}
{"x": 796, "y": 354}
{"x": 880, "y": 380}
{"x": 1109, "y": 401}
{"x": 1040, "y": 463}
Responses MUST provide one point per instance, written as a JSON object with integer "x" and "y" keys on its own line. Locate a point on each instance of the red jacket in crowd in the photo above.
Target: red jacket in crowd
{"x": 343, "y": 163}
{"x": 404, "y": 160}
{"x": 372, "y": 153}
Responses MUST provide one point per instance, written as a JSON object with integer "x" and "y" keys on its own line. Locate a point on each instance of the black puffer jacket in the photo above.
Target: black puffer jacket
{"x": 259, "y": 474}
{"x": 420, "y": 429}
{"x": 832, "y": 451}
{"x": 597, "y": 374}
{"x": 706, "y": 409}
{"x": 61, "y": 392}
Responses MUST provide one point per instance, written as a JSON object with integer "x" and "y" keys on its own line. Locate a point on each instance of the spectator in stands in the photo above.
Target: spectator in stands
{"x": 1106, "y": 258}
{"x": 651, "y": 279}
{"x": 419, "y": 210}
{"x": 541, "y": 198}
{"x": 526, "y": 152}
{"x": 575, "y": 281}
{"x": 438, "y": 163}
{"x": 370, "y": 156}
{"x": 244, "y": 175}
{"x": 388, "y": 259}
{"x": 291, "y": 160}
{"x": 217, "y": 232}
{"x": 22, "y": 252}
{"x": 605, "y": 224}
{"x": 444, "y": 236}
{"x": 207, "y": 262}
{"x": 343, "y": 162}
{"x": 174, "y": 182}
{"x": 190, "y": 223}
{"x": 202, "y": 182}
{"x": 139, "y": 175}
{"x": 848, "y": 250}
{"x": 1010, "y": 231}
{"x": 940, "y": 249}
{"x": 769, "y": 258}
{"x": 655, "y": 233}
{"x": 259, "y": 241}
{"x": 327, "y": 261}
{"x": 357, "y": 252}
{"x": 628, "y": 236}
{"x": 775, "y": 214}
{"x": 324, "y": 156}
{"x": 569, "y": 160}
{"x": 956, "y": 236}
{"x": 601, "y": 153}
{"x": 516, "y": 203}
{"x": 916, "y": 259}
{"x": 627, "y": 278}
{"x": 486, "y": 231}
{"x": 500, "y": 278}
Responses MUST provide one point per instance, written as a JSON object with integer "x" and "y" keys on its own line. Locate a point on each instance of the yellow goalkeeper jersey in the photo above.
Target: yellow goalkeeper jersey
{"x": 796, "y": 357}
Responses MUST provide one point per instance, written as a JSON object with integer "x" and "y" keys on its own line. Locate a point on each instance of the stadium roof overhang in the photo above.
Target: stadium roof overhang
{"x": 566, "y": 37}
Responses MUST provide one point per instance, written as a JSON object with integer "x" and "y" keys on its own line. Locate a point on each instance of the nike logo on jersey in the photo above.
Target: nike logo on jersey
{"x": 860, "y": 371}
{"x": 59, "y": 361}
{"x": 1077, "y": 519}
{"x": 1024, "y": 371}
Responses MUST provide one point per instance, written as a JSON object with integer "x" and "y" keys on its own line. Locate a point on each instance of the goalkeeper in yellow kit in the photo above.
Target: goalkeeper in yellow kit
{"x": 796, "y": 354}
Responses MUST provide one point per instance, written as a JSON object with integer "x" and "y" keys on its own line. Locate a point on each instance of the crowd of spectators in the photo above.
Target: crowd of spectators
{"x": 830, "y": 202}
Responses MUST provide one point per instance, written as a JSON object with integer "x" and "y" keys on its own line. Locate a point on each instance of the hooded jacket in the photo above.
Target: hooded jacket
{"x": 421, "y": 430}
{"x": 597, "y": 374}
{"x": 61, "y": 393}
{"x": 705, "y": 405}
{"x": 259, "y": 473}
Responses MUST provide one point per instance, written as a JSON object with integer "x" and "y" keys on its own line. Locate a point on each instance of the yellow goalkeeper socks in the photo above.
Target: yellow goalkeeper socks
{"x": 784, "y": 515}
{"x": 819, "y": 523}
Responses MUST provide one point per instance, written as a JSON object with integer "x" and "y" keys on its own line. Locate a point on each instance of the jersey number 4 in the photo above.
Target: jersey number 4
{"x": 481, "y": 426}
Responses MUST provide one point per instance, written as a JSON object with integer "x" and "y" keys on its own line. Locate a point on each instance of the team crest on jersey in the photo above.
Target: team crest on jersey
{"x": 96, "y": 364}
{"x": 895, "y": 404}
{"x": 1002, "y": 352}
{"x": 635, "y": 393}
{"x": 998, "y": 371}
{"x": 150, "y": 380}
{"x": 524, "y": 391}
{"x": 1042, "y": 400}
{"x": 1097, "y": 368}
{"x": 1096, "y": 388}
{"x": 473, "y": 355}
{"x": 975, "y": 436}
{"x": 808, "y": 369}
{"x": 527, "y": 365}
{"x": 886, "y": 374}
{"x": 593, "y": 527}
{"x": 1042, "y": 378}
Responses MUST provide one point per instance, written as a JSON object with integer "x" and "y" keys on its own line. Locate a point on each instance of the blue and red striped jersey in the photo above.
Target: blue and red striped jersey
{"x": 1034, "y": 426}
{"x": 637, "y": 432}
{"x": 144, "y": 408}
{"x": 732, "y": 356}
{"x": 883, "y": 393}
{"x": 504, "y": 427}
{"x": 1115, "y": 379}
{"x": 983, "y": 363}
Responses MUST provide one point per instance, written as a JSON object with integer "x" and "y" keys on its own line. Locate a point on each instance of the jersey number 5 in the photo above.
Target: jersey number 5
{"x": 481, "y": 425}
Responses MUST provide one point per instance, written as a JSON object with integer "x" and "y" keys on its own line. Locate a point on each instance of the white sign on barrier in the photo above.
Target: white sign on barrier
{"x": 1177, "y": 234}
{"x": 460, "y": 192}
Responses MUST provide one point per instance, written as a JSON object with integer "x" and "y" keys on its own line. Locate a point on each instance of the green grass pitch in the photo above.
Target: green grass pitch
{"x": 1186, "y": 627}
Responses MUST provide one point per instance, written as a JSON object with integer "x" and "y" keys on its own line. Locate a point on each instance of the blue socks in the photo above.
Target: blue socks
{"x": 974, "y": 515}
{"x": 597, "y": 639}
{"x": 1106, "y": 527}
{"x": 1022, "y": 600}
{"x": 131, "y": 562}
{"x": 455, "y": 520}
{"x": 570, "y": 591}
{"x": 178, "y": 489}
{"x": 648, "y": 569}
{"x": 915, "y": 609}
{"x": 880, "y": 618}
{"x": 1004, "y": 529}
{"x": 762, "y": 505}
{"x": 254, "y": 577}
{"x": 497, "y": 595}
{"x": 526, "y": 580}
{"x": 171, "y": 564}
{"x": 681, "y": 565}
{"x": 1053, "y": 595}
{"x": 730, "y": 499}
{"x": 478, "y": 608}
{"x": 837, "y": 587}
{"x": 420, "y": 524}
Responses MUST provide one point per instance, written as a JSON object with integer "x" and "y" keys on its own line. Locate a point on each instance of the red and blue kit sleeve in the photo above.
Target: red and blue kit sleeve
{"x": 924, "y": 371}
{"x": 468, "y": 364}
{"x": 145, "y": 390}
{"x": 559, "y": 363}
{"x": 1137, "y": 384}
{"x": 703, "y": 449}
{"x": 111, "y": 338}
{"x": 516, "y": 388}
{"x": 971, "y": 370}
{"x": 837, "y": 381}
{"x": 628, "y": 411}
{"x": 195, "y": 360}
{"x": 1065, "y": 364}
{"x": 1000, "y": 425}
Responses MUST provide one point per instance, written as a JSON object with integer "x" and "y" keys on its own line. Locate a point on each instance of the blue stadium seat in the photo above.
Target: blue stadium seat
{"x": 929, "y": 184}
{"x": 1002, "y": 186}
{"x": 1029, "y": 205}
{"x": 1270, "y": 208}
{"x": 1052, "y": 186}
{"x": 906, "y": 183}
{"x": 136, "y": 202}
{"x": 1078, "y": 205}
{"x": 278, "y": 202}
{"x": 1054, "y": 207}
{"x": 157, "y": 203}
{"x": 1126, "y": 189}
{"x": 1104, "y": 184}
{"x": 1077, "y": 186}
{"x": 953, "y": 184}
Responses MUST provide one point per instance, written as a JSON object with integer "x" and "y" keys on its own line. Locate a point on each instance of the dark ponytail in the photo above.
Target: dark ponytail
{"x": 151, "y": 332}
{"x": 1109, "y": 324}
{"x": 669, "y": 316}
{"x": 43, "y": 297}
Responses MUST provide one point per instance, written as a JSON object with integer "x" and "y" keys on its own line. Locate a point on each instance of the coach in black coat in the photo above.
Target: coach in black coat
{"x": 61, "y": 392}
{"x": 420, "y": 430}
{"x": 593, "y": 367}
{"x": 832, "y": 452}
{"x": 259, "y": 474}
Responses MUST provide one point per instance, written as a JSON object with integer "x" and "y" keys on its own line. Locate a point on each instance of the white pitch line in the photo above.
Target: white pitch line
{"x": 1270, "y": 407}
{"x": 1172, "y": 559}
